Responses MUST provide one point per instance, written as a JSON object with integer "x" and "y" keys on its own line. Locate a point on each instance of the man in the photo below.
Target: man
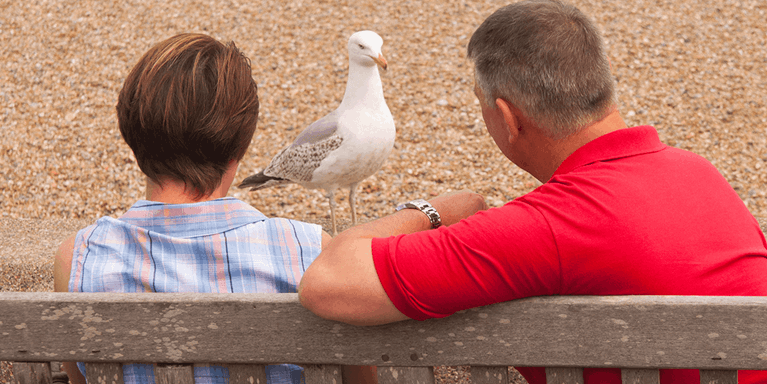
{"x": 619, "y": 212}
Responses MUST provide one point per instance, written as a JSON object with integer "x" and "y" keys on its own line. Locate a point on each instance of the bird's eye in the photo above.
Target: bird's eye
{"x": 361, "y": 46}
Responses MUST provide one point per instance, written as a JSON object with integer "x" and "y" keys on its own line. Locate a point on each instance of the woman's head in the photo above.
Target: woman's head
{"x": 188, "y": 110}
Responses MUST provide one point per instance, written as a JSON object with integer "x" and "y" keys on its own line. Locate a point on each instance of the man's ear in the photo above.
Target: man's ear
{"x": 510, "y": 117}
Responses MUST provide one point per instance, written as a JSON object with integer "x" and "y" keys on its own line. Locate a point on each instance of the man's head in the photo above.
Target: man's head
{"x": 547, "y": 59}
{"x": 188, "y": 110}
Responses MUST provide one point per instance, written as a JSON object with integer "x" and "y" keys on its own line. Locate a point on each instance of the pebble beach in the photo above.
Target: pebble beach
{"x": 694, "y": 69}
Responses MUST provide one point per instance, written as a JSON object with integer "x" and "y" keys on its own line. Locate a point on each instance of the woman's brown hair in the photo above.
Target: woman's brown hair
{"x": 188, "y": 109}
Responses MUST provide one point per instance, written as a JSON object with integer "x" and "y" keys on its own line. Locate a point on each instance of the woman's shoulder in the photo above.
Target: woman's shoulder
{"x": 62, "y": 259}
{"x": 62, "y": 264}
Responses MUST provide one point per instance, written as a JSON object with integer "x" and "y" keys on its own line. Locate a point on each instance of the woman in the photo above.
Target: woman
{"x": 188, "y": 110}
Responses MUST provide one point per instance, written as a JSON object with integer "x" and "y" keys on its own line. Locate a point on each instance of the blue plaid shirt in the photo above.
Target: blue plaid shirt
{"x": 223, "y": 245}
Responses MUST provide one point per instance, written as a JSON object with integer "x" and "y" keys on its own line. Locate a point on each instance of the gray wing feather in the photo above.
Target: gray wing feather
{"x": 298, "y": 162}
{"x": 318, "y": 130}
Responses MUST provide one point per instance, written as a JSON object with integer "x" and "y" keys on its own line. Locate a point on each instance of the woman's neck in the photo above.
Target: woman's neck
{"x": 171, "y": 191}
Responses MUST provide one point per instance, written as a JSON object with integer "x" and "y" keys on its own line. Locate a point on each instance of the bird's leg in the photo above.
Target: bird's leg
{"x": 352, "y": 201}
{"x": 332, "y": 199}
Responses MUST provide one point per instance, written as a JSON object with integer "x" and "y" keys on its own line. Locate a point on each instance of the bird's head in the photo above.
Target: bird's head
{"x": 365, "y": 49}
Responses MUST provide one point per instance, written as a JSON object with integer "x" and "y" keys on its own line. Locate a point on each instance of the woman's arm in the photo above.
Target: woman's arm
{"x": 62, "y": 266}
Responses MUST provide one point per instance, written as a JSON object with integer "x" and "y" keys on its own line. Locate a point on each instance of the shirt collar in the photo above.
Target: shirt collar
{"x": 192, "y": 220}
{"x": 614, "y": 145}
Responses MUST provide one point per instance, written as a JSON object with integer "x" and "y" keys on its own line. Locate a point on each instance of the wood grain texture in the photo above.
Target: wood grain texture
{"x": 247, "y": 373}
{"x": 104, "y": 373}
{"x": 174, "y": 374}
{"x": 564, "y": 375}
{"x": 57, "y": 375}
{"x": 599, "y": 331}
{"x": 489, "y": 375}
{"x": 718, "y": 377}
{"x": 405, "y": 375}
{"x": 323, "y": 374}
{"x": 32, "y": 373}
{"x": 640, "y": 376}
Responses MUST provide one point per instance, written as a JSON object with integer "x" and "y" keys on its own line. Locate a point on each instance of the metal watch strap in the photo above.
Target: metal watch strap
{"x": 423, "y": 206}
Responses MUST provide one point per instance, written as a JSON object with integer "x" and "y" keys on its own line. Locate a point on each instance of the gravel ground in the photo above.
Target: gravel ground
{"x": 694, "y": 69}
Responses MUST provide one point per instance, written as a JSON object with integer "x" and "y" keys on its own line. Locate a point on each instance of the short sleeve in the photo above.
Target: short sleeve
{"x": 497, "y": 255}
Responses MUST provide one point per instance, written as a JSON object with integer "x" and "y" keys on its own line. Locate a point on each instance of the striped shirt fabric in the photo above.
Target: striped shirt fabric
{"x": 222, "y": 245}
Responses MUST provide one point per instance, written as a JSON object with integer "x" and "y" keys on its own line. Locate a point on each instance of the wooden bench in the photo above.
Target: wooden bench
{"x": 717, "y": 335}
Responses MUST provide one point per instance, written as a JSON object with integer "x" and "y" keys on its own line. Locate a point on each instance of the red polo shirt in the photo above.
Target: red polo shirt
{"x": 623, "y": 215}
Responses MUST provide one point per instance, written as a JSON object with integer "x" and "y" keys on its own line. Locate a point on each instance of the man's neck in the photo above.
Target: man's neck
{"x": 559, "y": 150}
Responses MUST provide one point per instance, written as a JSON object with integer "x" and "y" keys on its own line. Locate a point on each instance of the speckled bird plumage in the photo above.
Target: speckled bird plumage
{"x": 347, "y": 145}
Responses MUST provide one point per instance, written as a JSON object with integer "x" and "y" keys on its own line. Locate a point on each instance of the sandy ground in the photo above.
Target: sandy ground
{"x": 694, "y": 69}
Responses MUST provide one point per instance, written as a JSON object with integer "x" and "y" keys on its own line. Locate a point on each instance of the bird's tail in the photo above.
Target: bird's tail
{"x": 261, "y": 181}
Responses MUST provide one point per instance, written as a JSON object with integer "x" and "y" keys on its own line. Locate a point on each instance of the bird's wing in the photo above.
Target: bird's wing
{"x": 318, "y": 130}
{"x": 298, "y": 162}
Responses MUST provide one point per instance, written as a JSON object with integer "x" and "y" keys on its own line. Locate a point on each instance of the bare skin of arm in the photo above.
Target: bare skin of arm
{"x": 354, "y": 374}
{"x": 62, "y": 265}
{"x": 342, "y": 283}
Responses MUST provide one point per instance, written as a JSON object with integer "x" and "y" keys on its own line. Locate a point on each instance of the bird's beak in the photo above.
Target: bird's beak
{"x": 381, "y": 61}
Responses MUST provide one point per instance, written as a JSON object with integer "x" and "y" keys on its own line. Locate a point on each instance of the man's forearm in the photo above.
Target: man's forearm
{"x": 452, "y": 207}
{"x": 342, "y": 283}
{"x": 404, "y": 221}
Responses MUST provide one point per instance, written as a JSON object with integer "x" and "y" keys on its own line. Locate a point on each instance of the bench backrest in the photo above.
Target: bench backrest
{"x": 718, "y": 335}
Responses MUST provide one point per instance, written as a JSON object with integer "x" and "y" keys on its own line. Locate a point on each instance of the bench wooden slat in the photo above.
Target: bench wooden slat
{"x": 104, "y": 373}
{"x": 247, "y": 373}
{"x": 619, "y": 331}
{"x": 640, "y": 376}
{"x": 556, "y": 375}
{"x": 718, "y": 377}
{"x": 489, "y": 375}
{"x": 174, "y": 374}
{"x": 32, "y": 373}
{"x": 400, "y": 375}
{"x": 323, "y": 374}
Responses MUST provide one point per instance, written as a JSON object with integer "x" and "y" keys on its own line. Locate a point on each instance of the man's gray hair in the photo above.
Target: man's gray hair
{"x": 547, "y": 58}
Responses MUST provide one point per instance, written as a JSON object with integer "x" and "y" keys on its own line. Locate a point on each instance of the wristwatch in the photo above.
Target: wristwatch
{"x": 423, "y": 206}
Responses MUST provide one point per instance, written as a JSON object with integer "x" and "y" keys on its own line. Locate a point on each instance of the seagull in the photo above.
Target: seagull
{"x": 345, "y": 146}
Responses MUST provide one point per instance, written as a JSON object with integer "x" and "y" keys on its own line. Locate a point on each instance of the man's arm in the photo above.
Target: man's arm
{"x": 342, "y": 283}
